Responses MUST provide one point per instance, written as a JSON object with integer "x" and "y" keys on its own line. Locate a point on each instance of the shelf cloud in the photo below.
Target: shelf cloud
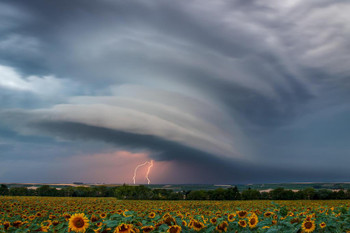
{"x": 238, "y": 91}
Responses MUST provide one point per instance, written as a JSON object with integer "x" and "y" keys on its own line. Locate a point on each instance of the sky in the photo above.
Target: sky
{"x": 219, "y": 92}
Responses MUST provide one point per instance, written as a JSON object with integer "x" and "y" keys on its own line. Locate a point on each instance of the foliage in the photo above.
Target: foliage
{"x": 142, "y": 192}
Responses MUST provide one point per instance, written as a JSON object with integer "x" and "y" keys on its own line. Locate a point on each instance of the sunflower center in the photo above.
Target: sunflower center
{"x": 123, "y": 228}
{"x": 308, "y": 225}
{"x": 173, "y": 230}
{"x": 198, "y": 225}
{"x": 252, "y": 221}
{"x": 79, "y": 222}
{"x": 241, "y": 214}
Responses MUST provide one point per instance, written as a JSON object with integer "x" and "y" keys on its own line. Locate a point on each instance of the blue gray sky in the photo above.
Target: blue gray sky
{"x": 237, "y": 91}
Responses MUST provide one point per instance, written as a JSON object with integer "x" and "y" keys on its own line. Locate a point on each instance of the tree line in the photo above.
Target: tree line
{"x": 142, "y": 192}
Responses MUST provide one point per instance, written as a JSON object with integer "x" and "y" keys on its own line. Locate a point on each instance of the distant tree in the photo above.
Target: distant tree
{"x": 175, "y": 196}
{"x": 197, "y": 195}
{"x": 142, "y": 193}
{"x": 232, "y": 193}
{"x": 340, "y": 194}
{"x": 100, "y": 191}
{"x": 324, "y": 194}
{"x": 125, "y": 192}
{"x": 18, "y": 191}
{"x": 218, "y": 194}
{"x": 251, "y": 194}
{"x": 309, "y": 193}
{"x": 347, "y": 194}
{"x": 282, "y": 194}
{"x": 46, "y": 190}
{"x": 67, "y": 191}
{"x": 265, "y": 196}
{"x": 4, "y": 190}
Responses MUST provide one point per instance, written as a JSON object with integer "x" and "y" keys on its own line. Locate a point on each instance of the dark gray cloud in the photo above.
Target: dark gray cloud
{"x": 249, "y": 82}
{"x": 189, "y": 160}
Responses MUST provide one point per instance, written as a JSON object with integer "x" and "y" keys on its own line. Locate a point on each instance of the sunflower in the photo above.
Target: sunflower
{"x": 55, "y": 223}
{"x": 104, "y": 231}
{"x": 174, "y": 229}
{"x": 242, "y": 213}
{"x": 323, "y": 224}
{"x": 6, "y": 225}
{"x": 231, "y": 217}
{"x": 242, "y": 223}
{"x": 99, "y": 224}
{"x": 214, "y": 221}
{"x": 222, "y": 227}
{"x": 38, "y": 215}
{"x": 67, "y": 216}
{"x": 103, "y": 215}
{"x": 169, "y": 220}
{"x": 78, "y": 222}
{"x": 46, "y": 223}
{"x": 295, "y": 220}
{"x": 17, "y": 224}
{"x": 308, "y": 226}
{"x": 94, "y": 218}
{"x": 196, "y": 225}
{"x": 151, "y": 215}
{"x": 123, "y": 228}
{"x": 43, "y": 229}
{"x": 125, "y": 215}
{"x": 147, "y": 229}
{"x": 268, "y": 214}
{"x": 253, "y": 221}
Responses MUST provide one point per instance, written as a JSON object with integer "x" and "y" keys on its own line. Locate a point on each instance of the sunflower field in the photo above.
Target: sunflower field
{"x": 67, "y": 214}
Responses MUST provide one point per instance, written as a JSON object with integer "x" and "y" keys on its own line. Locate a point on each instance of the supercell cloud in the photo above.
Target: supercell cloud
{"x": 213, "y": 91}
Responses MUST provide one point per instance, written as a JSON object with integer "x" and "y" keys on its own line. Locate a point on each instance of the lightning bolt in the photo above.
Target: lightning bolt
{"x": 138, "y": 166}
{"x": 148, "y": 171}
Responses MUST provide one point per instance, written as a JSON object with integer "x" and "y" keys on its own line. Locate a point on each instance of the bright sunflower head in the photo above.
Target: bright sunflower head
{"x": 78, "y": 223}
{"x": 103, "y": 215}
{"x": 169, "y": 220}
{"x": 214, "y": 221}
{"x": 55, "y": 223}
{"x": 147, "y": 229}
{"x": 323, "y": 224}
{"x": 94, "y": 218}
{"x": 174, "y": 229}
{"x": 231, "y": 217}
{"x": 268, "y": 214}
{"x": 253, "y": 221}
{"x": 242, "y": 223}
{"x": 6, "y": 225}
{"x": 99, "y": 224}
{"x": 123, "y": 228}
{"x": 197, "y": 225}
{"x": 152, "y": 215}
{"x": 308, "y": 226}
{"x": 17, "y": 224}
{"x": 242, "y": 213}
{"x": 222, "y": 227}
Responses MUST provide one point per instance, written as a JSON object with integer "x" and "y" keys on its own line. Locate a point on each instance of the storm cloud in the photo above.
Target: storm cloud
{"x": 257, "y": 89}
